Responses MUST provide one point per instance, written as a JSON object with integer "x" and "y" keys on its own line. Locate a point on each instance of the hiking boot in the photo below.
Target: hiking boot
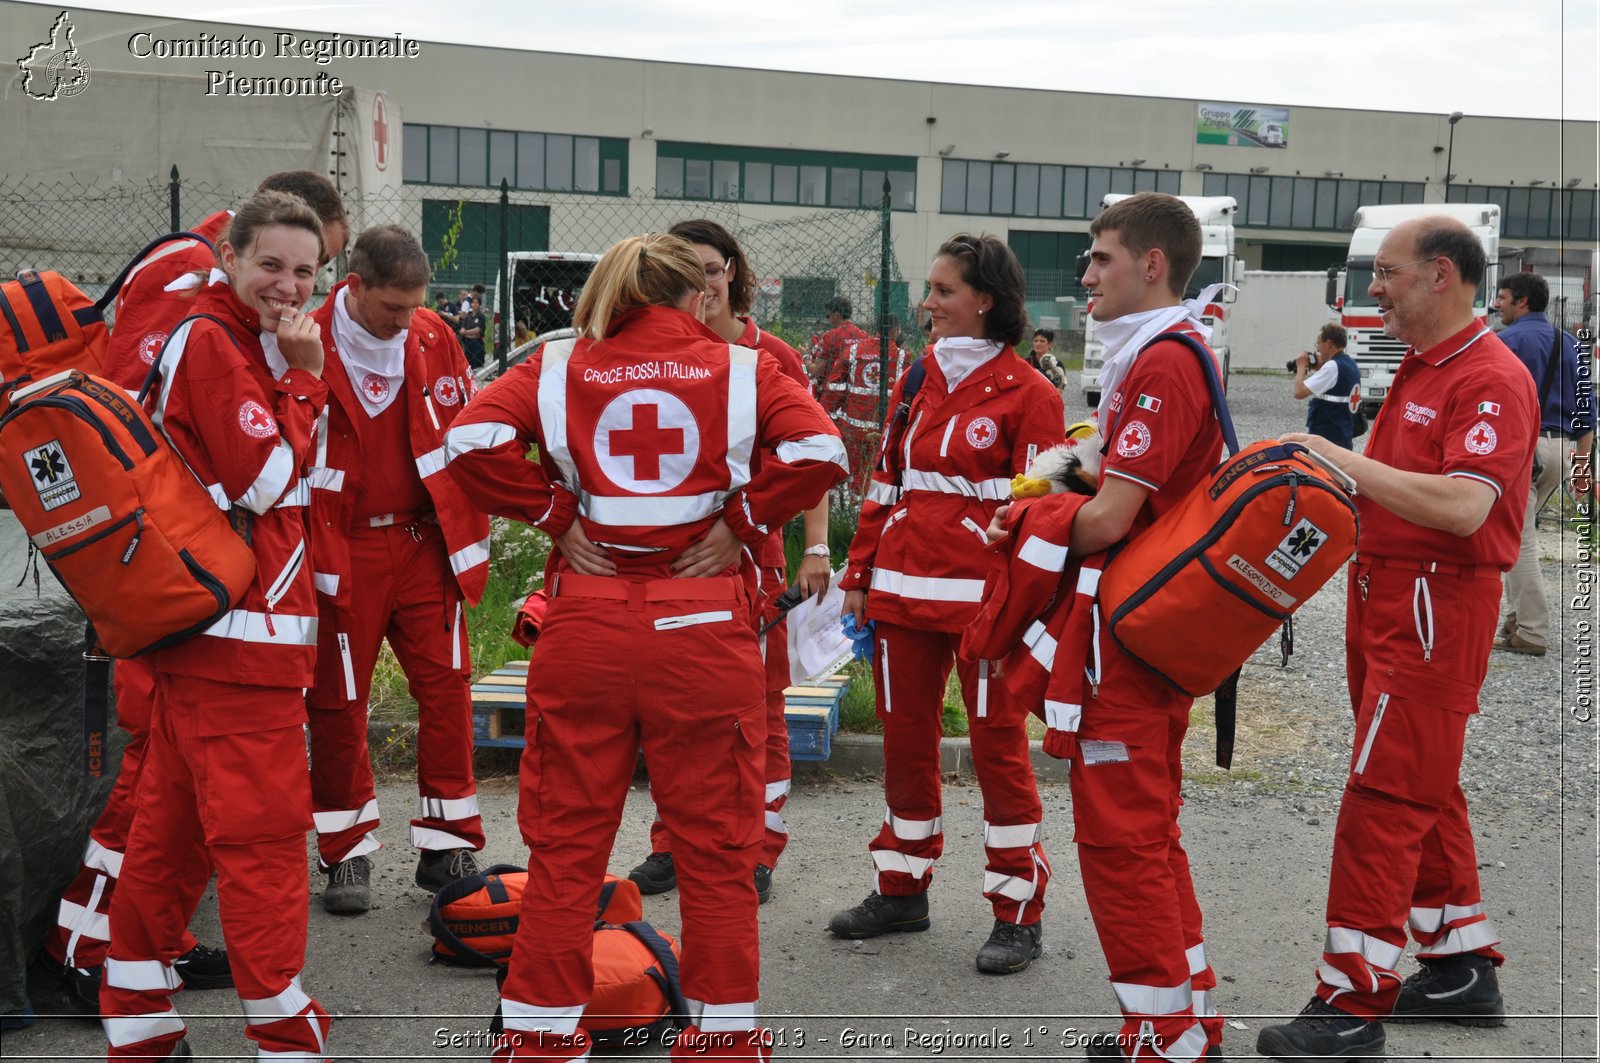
{"x": 82, "y": 987}
{"x": 1322, "y": 1030}
{"x": 879, "y": 914}
{"x": 1109, "y": 1046}
{"x": 656, "y": 875}
{"x": 1515, "y": 643}
{"x": 763, "y": 883}
{"x": 1508, "y": 627}
{"x": 1010, "y": 947}
{"x": 437, "y": 868}
{"x": 1461, "y": 989}
{"x": 349, "y": 888}
{"x": 203, "y": 967}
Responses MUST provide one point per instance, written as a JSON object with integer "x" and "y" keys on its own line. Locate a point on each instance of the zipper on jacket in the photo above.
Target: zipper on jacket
{"x": 138, "y": 533}
{"x": 944, "y": 444}
{"x": 972, "y": 526}
{"x": 1288, "y": 511}
{"x": 1372, "y": 733}
{"x": 280, "y": 586}
{"x": 1422, "y": 612}
{"x": 428, "y": 402}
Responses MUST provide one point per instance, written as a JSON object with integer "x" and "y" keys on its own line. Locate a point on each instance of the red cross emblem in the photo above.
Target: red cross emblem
{"x": 380, "y": 131}
{"x": 1481, "y": 438}
{"x": 1133, "y": 440}
{"x": 982, "y": 433}
{"x": 255, "y": 420}
{"x": 150, "y": 346}
{"x": 647, "y": 441}
{"x": 445, "y": 390}
{"x": 376, "y": 387}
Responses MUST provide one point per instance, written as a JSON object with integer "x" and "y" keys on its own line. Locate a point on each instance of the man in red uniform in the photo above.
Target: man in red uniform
{"x": 1443, "y": 494}
{"x": 835, "y": 351}
{"x": 858, "y": 416}
{"x": 158, "y": 292}
{"x": 399, "y": 550}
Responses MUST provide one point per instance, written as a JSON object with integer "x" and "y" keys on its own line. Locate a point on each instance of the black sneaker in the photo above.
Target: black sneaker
{"x": 763, "y": 883}
{"x": 349, "y": 888}
{"x": 81, "y": 986}
{"x": 437, "y": 868}
{"x": 1461, "y": 989}
{"x": 203, "y": 967}
{"x": 1010, "y": 947}
{"x": 1322, "y": 1030}
{"x": 656, "y": 875}
{"x": 1109, "y": 1046}
{"x": 879, "y": 914}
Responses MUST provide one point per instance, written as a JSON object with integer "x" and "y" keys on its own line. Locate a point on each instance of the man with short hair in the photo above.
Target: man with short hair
{"x": 1330, "y": 387}
{"x": 835, "y": 355}
{"x": 1566, "y": 427}
{"x": 470, "y": 324}
{"x": 1441, "y": 507}
{"x": 399, "y": 552}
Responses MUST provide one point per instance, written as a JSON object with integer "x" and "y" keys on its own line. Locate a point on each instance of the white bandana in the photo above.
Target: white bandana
{"x": 1123, "y": 337}
{"x": 958, "y": 356}
{"x": 376, "y": 368}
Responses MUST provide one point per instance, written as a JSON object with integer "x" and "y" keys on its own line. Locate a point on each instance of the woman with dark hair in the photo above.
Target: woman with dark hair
{"x": 730, "y": 292}
{"x": 652, "y": 481}
{"x": 978, "y": 417}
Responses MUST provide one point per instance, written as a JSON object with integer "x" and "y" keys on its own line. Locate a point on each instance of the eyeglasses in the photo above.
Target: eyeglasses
{"x": 716, "y": 273}
{"x": 1385, "y": 274}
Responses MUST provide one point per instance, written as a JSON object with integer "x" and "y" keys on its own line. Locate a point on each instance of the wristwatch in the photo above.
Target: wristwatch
{"x": 819, "y": 550}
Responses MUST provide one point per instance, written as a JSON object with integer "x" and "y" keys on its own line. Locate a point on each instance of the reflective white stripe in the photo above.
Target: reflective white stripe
{"x": 1014, "y": 836}
{"x": 125, "y": 1030}
{"x": 324, "y": 479}
{"x": 485, "y": 435}
{"x": 742, "y": 414}
{"x": 1203, "y": 1007}
{"x": 714, "y": 616}
{"x": 243, "y": 625}
{"x": 944, "y": 444}
{"x": 814, "y": 448}
{"x": 775, "y": 823}
{"x": 1186, "y": 1049}
{"x": 298, "y": 495}
{"x": 286, "y": 1005}
{"x": 1422, "y": 615}
{"x": 1152, "y": 999}
{"x": 428, "y": 838}
{"x": 1372, "y": 733}
{"x": 1089, "y": 581}
{"x": 723, "y": 1018}
{"x": 433, "y": 461}
{"x": 77, "y": 933}
{"x": 883, "y": 494}
{"x": 1197, "y": 959}
{"x": 141, "y": 976}
{"x": 888, "y": 683}
{"x": 776, "y": 790}
{"x": 219, "y": 496}
{"x": 1041, "y": 644}
{"x": 648, "y": 511}
{"x": 100, "y": 858}
{"x": 1429, "y": 920}
{"x": 321, "y": 454}
{"x": 167, "y": 366}
{"x": 913, "y": 830}
{"x": 927, "y": 588}
{"x": 905, "y": 461}
{"x": 326, "y": 583}
{"x": 469, "y": 557}
{"x": 1332, "y": 976}
{"x": 1461, "y": 939}
{"x": 344, "y": 819}
{"x": 1043, "y": 554}
{"x": 349, "y": 667}
{"x": 271, "y": 482}
{"x": 291, "y": 1057}
{"x": 455, "y": 639}
{"x": 532, "y": 1017}
{"x": 1376, "y": 952}
{"x": 994, "y": 490}
{"x": 369, "y": 843}
{"x": 869, "y": 424}
{"x": 1017, "y": 889}
{"x": 448, "y": 808}
{"x": 983, "y": 689}
{"x": 84, "y": 922}
{"x": 887, "y": 860}
{"x": 1062, "y": 716}
{"x": 553, "y": 409}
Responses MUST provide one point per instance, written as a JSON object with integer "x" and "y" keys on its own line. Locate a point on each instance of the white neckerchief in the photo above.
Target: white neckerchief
{"x": 1122, "y": 338}
{"x": 958, "y": 356}
{"x": 376, "y": 368}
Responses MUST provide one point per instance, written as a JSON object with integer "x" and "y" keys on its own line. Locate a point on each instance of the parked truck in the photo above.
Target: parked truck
{"x": 1379, "y": 355}
{"x": 1217, "y": 263}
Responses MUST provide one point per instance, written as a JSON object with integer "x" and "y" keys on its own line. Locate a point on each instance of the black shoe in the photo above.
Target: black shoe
{"x": 81, "y": 986}
{"x": 763, "y": 883}
{"x": 349, "y": 888}
{"x": 1322, "y": 1030}
{"x": 203, "y": 967}
{"x": 1109, "y": 1046}
{"x": 181, "y": 1050}
{"x": 879, "y": 914}
{"x": 1010, "y": 947}
{"x": 437, "y": 868}
{"x": 1460, "y": 989}
{"x": 657, "y": 874}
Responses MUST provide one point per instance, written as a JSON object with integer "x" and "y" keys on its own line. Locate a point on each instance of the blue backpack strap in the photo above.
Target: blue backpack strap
{"x": 668, "y": 962}
{"x": 453, "y": 891}
{"x": 1208, "y": 365}
{"x": 902, "y": 413}
{"x": 44, "y": 307}
{"x": 116, "y": 286}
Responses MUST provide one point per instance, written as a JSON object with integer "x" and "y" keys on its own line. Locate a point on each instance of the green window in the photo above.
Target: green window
{"x": 478, "y": 252}
{"x": 541, "y": 162}
{"x": 775, "y": 175}
{"x": 1313, "y": 203}
{"x": 1038, "y": 190}
{"x": 1533, "y": 213}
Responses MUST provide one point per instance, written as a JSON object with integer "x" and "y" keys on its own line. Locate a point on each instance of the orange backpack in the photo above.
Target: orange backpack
{"x": 117, "y": 515}
{"x": 50, "y": 325}
{"x": 474, "y": 919}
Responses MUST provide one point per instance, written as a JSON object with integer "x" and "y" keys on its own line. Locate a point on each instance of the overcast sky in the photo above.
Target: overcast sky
{"x": 1530, "y": 58}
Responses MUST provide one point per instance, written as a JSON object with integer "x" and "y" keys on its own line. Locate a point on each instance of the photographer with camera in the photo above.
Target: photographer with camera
{"x": 1328, "y": 378}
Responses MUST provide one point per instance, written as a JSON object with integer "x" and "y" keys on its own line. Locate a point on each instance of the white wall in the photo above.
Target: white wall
{"x": 1276, "y": 317}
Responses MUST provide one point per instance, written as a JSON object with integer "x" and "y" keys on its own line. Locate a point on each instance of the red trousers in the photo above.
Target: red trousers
{"x": 83, "y": 926}
{"x": 218, "y": 792}
{"x": 911, "y": 668}
{"x": 1127, "y": 779}
{"x": 682, "y": 677}
{"x": 401, "y": 589}
{"x": 1403, "y": 854}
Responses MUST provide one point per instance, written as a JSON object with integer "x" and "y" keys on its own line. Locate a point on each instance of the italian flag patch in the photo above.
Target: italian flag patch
{"x": 1149, "y": 402}
{"x": 1489, "y": 407}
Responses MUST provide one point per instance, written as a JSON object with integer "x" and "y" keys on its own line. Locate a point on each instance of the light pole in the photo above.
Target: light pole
{"x": 1449, "y": 157}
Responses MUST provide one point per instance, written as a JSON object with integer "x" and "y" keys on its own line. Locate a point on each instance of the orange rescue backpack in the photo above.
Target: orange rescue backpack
{"x": 50, "y": 325}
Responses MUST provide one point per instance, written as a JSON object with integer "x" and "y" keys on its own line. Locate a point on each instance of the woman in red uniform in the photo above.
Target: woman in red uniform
{"x": 650, "y": 431}
{"x": 225, "y": 781}
{"x": 979, "y": 415}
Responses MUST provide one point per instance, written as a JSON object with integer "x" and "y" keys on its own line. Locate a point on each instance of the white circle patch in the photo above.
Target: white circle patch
{"x": 255, "y": 420}
{"x": 871, "y": 372}
{"x": 376, "y": 386}
{"x": 982, "y": 433}
{"x": 1134, "y": 439}
{"x": 1481, "y": 438}
{"x": 150, "y": 346}
{"x": 446, "y": 391}
{"x": 647, "y": 441}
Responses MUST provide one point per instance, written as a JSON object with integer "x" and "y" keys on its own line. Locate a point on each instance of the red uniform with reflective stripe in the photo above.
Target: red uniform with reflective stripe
{"x": 148, "y": 306}
{"x": 836, "y": 351}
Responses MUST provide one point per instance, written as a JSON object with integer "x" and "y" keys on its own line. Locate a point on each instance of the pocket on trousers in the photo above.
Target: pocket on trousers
{"x": 746, "y": 767}
{"x": 253, "y": 787}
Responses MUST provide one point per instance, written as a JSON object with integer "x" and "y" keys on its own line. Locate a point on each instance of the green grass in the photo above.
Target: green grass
{"x": 858, "y": 712}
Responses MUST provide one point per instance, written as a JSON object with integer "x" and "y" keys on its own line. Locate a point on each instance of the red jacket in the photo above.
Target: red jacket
{"x": 919, "y": 547}
{"x": 247, "y": 436}
{"x": 437, "y": 387}
{"x": 648, "y": 437}
{"x": 837, "y": 350}
{"x": 770, "y": 553}
{"x": 148, "y": 306}
{"x": 863, "y": 370}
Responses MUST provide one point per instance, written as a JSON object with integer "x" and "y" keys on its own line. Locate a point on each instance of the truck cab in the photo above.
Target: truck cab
{"x": 544, "y": 292}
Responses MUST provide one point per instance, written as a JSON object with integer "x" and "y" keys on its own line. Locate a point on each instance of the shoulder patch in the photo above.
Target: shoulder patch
{"x": 1481, "y": 438}
{"x": 256, "y": 420}
{"x": 1133, "y": 440}
{"x": 446, "y": 391}
{"x": 981, "y": 433}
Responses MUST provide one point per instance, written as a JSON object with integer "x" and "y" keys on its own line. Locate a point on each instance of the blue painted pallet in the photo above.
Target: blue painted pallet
{"x": 812, "y": 713}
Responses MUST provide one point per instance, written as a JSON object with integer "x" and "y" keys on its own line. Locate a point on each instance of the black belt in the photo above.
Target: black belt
{"x": 1552, "y": 433}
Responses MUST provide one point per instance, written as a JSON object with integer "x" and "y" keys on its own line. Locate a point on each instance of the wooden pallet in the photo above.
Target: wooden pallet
{"x": 812, "y": 713}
